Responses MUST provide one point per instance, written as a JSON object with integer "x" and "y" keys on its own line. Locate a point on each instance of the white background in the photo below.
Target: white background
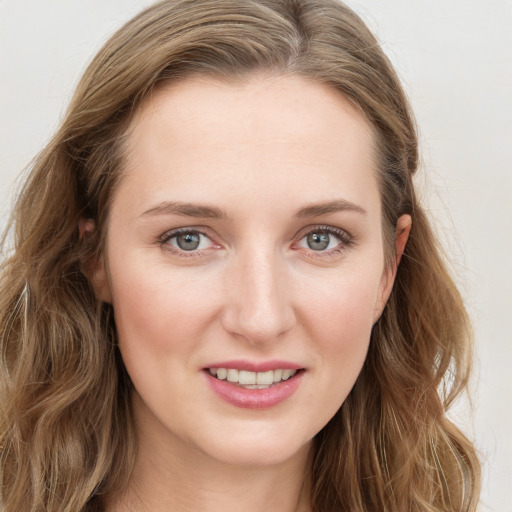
{"x": 455, "y": 57}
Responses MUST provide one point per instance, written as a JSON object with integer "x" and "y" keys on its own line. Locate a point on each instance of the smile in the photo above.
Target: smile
{"x": 252, "y": 380}
{"x": 249, "y": 385}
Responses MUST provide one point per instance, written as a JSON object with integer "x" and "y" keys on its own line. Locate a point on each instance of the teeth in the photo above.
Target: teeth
{"x": 252, "y": 380}
{"x": 265, "y": 377}
{"x": 246, "y": 378}
{"x": 287, "y": 374}
{"x": 232, "y": 375}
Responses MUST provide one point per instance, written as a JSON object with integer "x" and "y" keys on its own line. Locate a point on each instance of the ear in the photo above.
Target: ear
{"x": 402, "y": 231}
{"x": 95, "y": 269}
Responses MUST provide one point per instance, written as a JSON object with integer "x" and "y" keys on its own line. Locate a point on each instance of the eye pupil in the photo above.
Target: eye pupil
{"x": 188, "y": 241}
{"x": 318, "y": 241}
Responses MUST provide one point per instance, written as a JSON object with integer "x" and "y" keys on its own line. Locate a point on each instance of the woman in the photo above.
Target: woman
{"x": 223, "y": 291}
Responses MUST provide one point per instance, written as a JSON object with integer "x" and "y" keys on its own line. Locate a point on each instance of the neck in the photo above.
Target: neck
{"x": 178, "y": 477}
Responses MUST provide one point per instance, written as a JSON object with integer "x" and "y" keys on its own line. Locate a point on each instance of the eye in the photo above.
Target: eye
{"x": 325, "y": 239}
{"x": 187, "y": 241}
{"x": 319, "y": 241}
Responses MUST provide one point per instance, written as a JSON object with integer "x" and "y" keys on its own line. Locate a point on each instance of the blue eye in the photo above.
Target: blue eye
{"x": 325, "y": 239}
{"x": 188, "y": 241}
{"x": 318, "y": 241}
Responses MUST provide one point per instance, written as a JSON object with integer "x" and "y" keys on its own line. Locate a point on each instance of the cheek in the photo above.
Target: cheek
{"x": 161, "y": 318}
{"x": 342, "y": 306}
{"x": 339, "y": 319}
{"x": 158, "y": 312}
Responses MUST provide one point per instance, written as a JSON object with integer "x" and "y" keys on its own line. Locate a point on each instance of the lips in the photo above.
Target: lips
{"x": 254, "y": 385}
{"x": 253, "y": 380}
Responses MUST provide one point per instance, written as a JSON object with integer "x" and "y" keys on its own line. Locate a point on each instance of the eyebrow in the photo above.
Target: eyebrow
{"x": 338, "y": 205}
{"x": 187, "y": 210}
{"x": 213, "y": 212}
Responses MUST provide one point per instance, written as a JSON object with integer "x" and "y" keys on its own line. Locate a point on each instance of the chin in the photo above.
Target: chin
{"x": 256, "y": 450}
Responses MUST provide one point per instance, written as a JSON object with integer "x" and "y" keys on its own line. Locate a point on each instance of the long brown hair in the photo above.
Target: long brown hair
{"x": 66, "y": 426}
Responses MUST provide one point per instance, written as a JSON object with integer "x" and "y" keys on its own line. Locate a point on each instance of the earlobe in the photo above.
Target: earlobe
{"x": 100, "y": 283}
{"x": 94, "y": 268}
{"x": 402, "y": 231}
{"x": 86, "y": 228}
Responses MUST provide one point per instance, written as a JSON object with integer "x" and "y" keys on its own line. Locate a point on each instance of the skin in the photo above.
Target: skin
{"x": 261, "y": 151}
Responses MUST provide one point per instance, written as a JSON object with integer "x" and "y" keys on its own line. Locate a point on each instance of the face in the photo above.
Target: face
{"x": 244, "y": 262}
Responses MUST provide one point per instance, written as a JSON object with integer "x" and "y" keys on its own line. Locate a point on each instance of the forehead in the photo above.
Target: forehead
{"x": 291, "y": 106}
{"x": 282, "y": 134}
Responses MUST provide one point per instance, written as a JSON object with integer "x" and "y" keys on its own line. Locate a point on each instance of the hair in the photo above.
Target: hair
{"x": 66, "y": 422}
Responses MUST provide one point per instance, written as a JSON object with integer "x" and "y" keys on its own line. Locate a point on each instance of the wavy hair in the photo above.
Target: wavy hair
{"x": 66, "y": 424}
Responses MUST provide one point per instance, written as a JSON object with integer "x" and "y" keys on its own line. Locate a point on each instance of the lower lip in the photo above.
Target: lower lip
{"x": 254, "y": 398}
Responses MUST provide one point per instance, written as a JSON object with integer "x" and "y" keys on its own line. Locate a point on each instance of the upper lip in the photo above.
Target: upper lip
{"x": 253, "y": 366}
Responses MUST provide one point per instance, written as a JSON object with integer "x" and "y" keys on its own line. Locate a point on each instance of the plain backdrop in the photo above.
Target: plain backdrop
{"x": 455, "y": 59}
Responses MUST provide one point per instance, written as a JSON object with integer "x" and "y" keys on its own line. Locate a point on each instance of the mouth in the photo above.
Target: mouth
{"x": 253, "y": 385}
{"x": 253, "y": 380}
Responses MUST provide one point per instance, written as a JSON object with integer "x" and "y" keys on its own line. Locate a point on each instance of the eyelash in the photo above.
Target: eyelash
{"x": 164, "y": 240}
{"x": 345, "y": 240}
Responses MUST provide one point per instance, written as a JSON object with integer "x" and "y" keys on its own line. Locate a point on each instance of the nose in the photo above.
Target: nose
{"x": 258, "y": 304}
